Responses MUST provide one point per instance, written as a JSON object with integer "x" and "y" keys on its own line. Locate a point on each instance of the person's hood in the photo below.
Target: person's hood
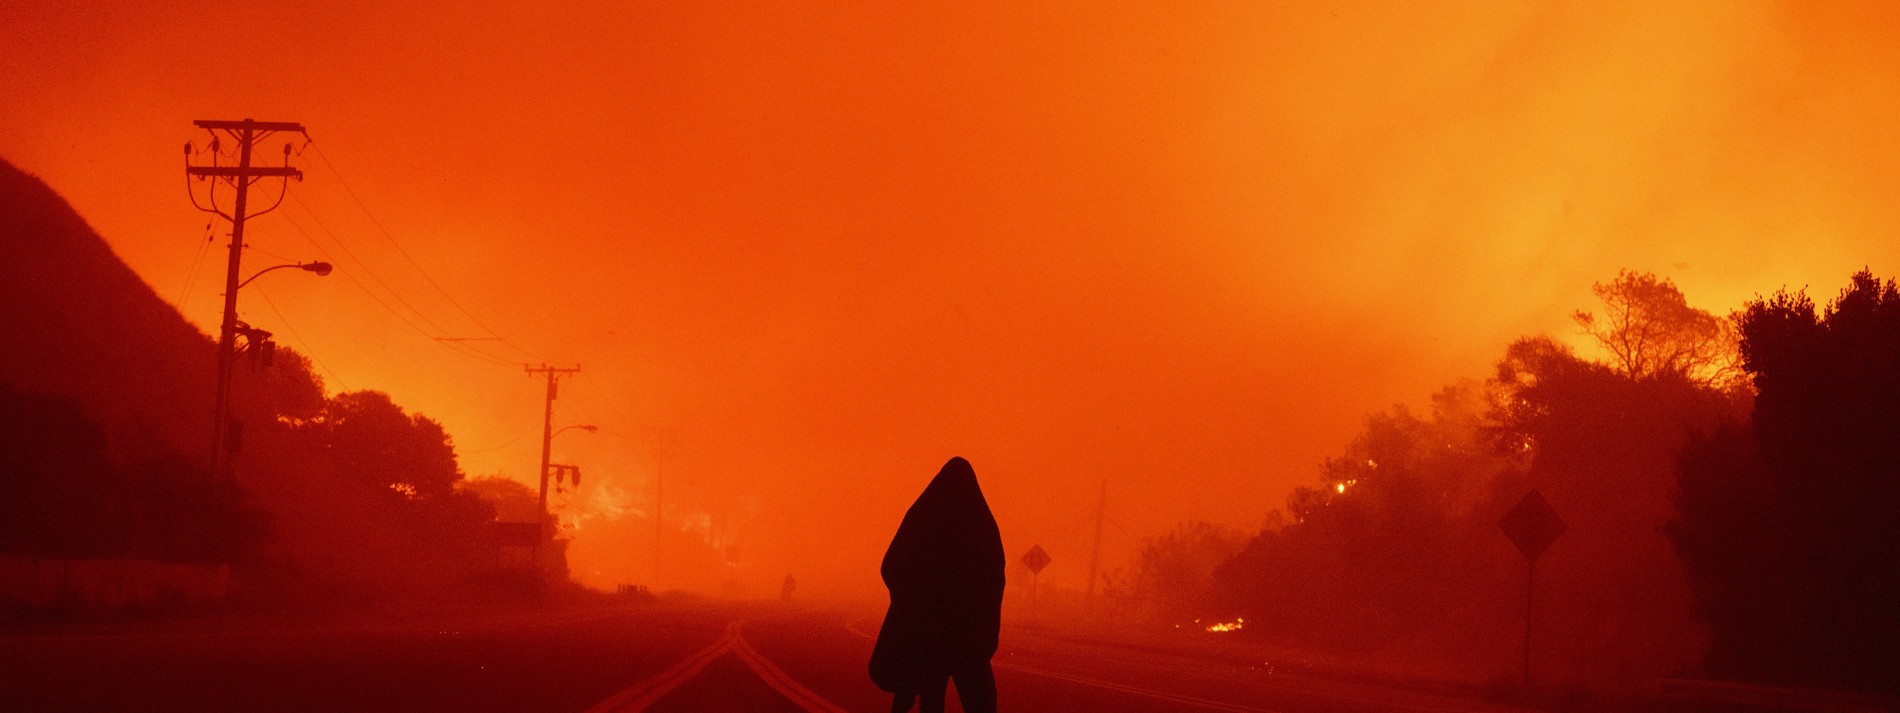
{"x": 947, "y": 534}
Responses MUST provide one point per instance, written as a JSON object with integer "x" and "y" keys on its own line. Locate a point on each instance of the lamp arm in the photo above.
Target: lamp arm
{"x": 261, "y": 272}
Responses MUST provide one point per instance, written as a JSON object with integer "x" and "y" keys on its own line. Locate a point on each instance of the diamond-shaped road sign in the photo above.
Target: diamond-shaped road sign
{"x": 1035, "y": 559}
{"x": 1532, "y": 525}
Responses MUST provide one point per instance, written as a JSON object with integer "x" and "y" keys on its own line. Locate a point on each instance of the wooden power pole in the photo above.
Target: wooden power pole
{"x": 1095, "y": 552}
{"x": 554, "y": 375}
{"x": 662, "y": 437}
{"x": 247, "y": 134}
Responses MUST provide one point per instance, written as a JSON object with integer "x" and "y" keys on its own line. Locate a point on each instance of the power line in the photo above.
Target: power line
{"x": 197, "y": 262}
{"x": 438, "y": 330}
{"x": 1125, "y": 533}
{"x": 380, "y": 301}
{"x": 465, "y": 351}
{"x": 412, "y": 260}
{"x": 267, "y": 253}
{"x": 581, "y": 408}
{"x": 611, "y": 408}
{"x": 300, "y": 340}
{"x": 371, "y": 273}
{"x": 491, "y": 449}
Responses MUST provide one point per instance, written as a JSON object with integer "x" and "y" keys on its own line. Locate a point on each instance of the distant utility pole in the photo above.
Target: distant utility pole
{"x": 246, "y": 133}
{"x": 1095, "y": 553}
{"x": 662, "y": 437}
{"x": 659, "y": 529}
{"x": 554, "y": 374}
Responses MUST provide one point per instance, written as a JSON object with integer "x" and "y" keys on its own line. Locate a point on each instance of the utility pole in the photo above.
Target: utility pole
{"x": 659, "y": 530}
{"x": 247, "y": 133}
{"x": 554, "y": 375}
{"x": 1095, "y": 553}
{"x": 660, "y": 437}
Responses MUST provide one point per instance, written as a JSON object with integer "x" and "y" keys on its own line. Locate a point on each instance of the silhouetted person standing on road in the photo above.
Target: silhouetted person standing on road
{"x": 945, "y": 572}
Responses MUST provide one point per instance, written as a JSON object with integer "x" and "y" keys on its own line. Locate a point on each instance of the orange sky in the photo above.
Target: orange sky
{"x": 1184, "y": 249}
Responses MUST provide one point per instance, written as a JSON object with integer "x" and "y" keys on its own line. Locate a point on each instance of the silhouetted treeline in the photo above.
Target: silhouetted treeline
{"x": 1711, "y": 530}
{"x": 1790, "y": 522}
{"x": 1174, "y": 573}
{"x": 1731, "y": 489}
{"x": 105, "y": 393}
{"x": 1390, "y": 546}
{"x": 364, "y": 498}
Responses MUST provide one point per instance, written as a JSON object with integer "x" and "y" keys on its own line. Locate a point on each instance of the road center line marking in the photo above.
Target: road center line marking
{"x": 645, "y": 693}
{"x": 776, "y": 677}
{"x": 640, "y": 695}
{"x": 852, "y": 626}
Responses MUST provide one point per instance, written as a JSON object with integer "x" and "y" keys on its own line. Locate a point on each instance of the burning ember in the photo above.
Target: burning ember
{"x": 1225, "y": 626}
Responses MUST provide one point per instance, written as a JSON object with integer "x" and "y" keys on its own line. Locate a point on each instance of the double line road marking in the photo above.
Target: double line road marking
{"x": 641, "y": 695}
{"x": 1175, "y": 698}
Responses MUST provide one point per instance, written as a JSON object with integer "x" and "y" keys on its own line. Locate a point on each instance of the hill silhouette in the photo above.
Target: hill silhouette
{"x": 105, "y": 421}
{"x": 81, "y": 324}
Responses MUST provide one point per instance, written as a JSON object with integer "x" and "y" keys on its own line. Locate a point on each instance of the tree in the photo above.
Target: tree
{"x": 1390, "y": 543}
{"x": 367, "y": 500}
{"x": 1398, "y": 541}
{"x": 1650, "y": 330}
{"x": 1174, "y": 573}
{"x": 1809, "y": 492}
{"x": 1601, "y": 446}
{"x": 513, "y": 501}
{"x": 373, "y": 442}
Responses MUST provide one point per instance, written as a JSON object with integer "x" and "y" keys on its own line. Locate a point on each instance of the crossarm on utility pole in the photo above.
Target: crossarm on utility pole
{"x": 241, "y": 124}
{"x": 243, "y": 171}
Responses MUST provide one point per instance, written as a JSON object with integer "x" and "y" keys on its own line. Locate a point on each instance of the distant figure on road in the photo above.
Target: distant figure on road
{"x": 945, "y": 572}
{"x": 785, "y": 590}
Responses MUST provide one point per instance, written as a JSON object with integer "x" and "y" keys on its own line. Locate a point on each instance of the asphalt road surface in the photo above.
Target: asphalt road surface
{"x": 702, "y": 656}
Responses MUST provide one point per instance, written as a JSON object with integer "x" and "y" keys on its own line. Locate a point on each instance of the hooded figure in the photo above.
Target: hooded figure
{"x": 945, "y": 572}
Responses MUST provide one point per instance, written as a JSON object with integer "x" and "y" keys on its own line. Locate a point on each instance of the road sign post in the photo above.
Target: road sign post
{"x": 1532, "y": 525}
{"x": 1035, "y": 559}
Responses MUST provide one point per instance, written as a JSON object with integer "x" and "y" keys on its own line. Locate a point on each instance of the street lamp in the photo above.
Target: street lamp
{"x": 589, "y": 429}
{"x": 227, "y": 352}
{"x": 321, "y": 268}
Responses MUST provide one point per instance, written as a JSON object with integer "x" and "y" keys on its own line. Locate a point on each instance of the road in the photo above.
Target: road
{"x": 681, "y": 656}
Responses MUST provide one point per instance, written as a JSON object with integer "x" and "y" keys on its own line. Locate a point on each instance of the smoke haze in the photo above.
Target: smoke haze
{"x": 805, "y": 255}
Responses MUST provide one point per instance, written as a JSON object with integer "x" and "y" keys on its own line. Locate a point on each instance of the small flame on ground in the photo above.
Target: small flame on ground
{"x": 1226, "y": 626}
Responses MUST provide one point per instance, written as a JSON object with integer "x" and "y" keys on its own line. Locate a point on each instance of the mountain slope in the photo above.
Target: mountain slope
{"x": 75, "y": 321}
